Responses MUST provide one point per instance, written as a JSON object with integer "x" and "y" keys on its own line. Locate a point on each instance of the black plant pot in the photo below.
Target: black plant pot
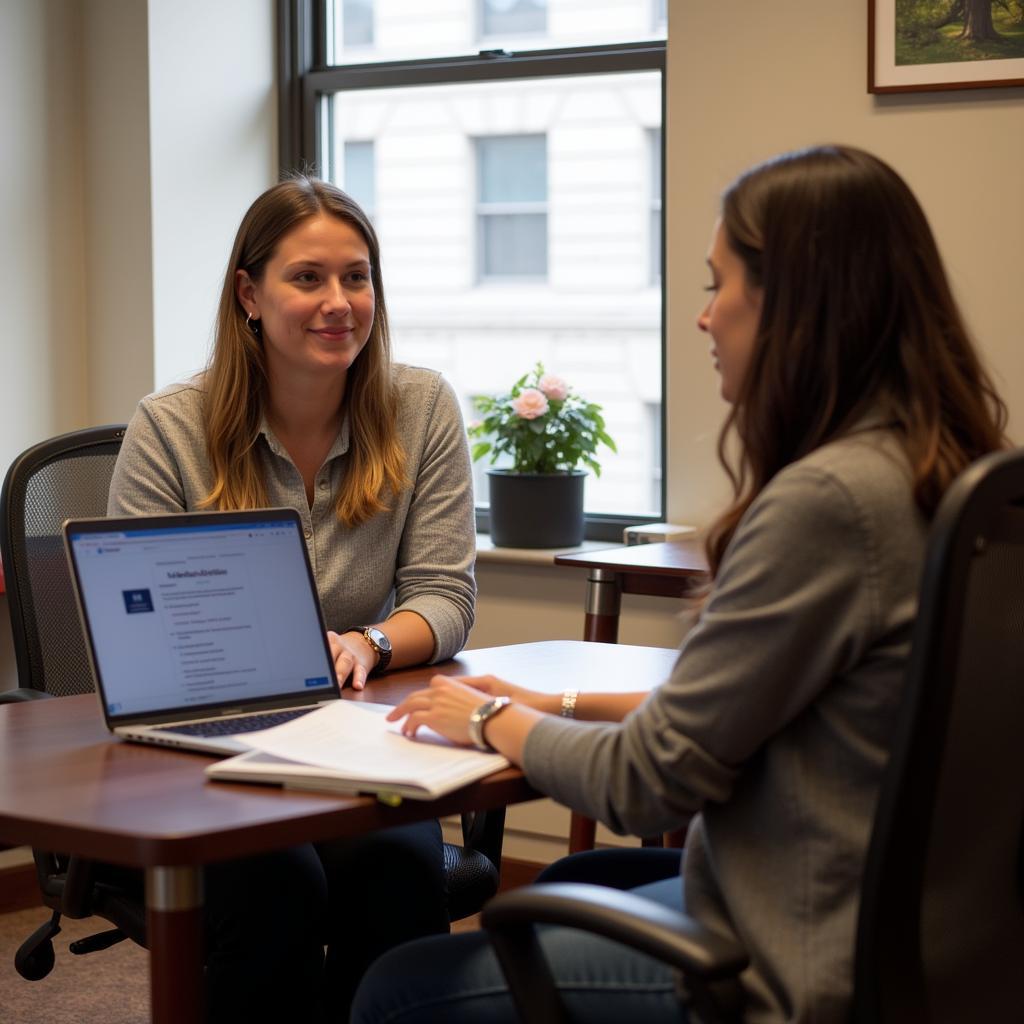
{"x": 536, "y": 510}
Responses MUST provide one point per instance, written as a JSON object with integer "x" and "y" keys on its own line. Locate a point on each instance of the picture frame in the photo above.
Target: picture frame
{"x": 910, "y": 49}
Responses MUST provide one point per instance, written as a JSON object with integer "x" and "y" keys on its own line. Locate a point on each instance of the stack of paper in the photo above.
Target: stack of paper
{"x": 347, "y": 746}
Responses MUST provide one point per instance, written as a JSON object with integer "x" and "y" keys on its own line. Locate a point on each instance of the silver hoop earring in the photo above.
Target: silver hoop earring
{"x": 253, "y": 324}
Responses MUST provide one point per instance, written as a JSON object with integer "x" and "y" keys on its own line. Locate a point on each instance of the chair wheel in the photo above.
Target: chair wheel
{"x": 37, "y": 964}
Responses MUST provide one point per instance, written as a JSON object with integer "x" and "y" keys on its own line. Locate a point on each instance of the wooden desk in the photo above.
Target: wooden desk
{"x": 65, "y": 784}
{"x": 668, "y": 569}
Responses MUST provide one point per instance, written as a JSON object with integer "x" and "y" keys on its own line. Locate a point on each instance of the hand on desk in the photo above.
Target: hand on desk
{"x": 446, "y": 707}
{"x": 448, "y": 703}
{"x": 353, "y": 658}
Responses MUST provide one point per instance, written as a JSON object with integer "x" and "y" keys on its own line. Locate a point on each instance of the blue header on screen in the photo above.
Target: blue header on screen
{"x": 195, "y": 528}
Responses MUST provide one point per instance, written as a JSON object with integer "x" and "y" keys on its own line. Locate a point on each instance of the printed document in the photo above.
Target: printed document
{"x": 350, "y": 746}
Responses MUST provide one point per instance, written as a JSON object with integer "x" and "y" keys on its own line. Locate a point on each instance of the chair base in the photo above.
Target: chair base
{"x": 35, "y": 957}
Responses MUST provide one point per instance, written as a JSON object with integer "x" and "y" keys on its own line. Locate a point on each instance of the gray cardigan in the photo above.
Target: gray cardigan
{"x": 417, "y": 557}
{"x": 774, "y": 724}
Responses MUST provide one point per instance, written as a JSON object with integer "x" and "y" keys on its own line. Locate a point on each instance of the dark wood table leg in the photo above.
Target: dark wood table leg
{"x": 581, "y": 833}
{"x": 174, "y": 923}
{"x": 604, "y": 599}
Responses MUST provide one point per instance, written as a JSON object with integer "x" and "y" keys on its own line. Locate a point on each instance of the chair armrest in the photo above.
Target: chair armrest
{"x": 708, "y": 962}
{"x": 667, "y": 935}
{"x": 22, "y": 693}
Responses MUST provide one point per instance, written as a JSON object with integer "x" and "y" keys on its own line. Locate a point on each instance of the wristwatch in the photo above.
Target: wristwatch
{"x": 379, "y": 641}
{"x": 481, "y": 717}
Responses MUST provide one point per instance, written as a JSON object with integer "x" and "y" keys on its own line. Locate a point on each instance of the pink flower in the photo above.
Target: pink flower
{"x": 530, "y": 404}
{"x": 554, "y": 387}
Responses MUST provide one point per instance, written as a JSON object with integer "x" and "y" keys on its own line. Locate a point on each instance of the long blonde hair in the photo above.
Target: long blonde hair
{"x": 236, "y": 377}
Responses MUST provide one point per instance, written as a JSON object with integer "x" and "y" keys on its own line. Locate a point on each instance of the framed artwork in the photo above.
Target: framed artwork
{"x": 921, "y": 45}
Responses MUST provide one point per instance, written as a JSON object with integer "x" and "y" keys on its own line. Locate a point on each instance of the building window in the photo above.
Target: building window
{"x": 659, "y": 14}
{"x": 654, "y": 159}
{"x": 358, "y": 174}
{"x": 516, "y": 196}
{"x": 356, "y": 23}
{"x": 512, "y": 219}
{"x": 513, "y": 17}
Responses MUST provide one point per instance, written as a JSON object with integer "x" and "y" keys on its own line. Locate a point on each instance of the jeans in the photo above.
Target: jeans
{"x": 457, "y": 978}
{"x": 384, "y": 888}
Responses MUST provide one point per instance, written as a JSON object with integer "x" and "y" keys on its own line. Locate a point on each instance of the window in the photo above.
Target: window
{"x": 511, "y": 17}
{"x": 516, "y": 193}
{"x": 654, "y": 172}
{"x": 512, "y": 190}
{"x": 356, "y": 23}
{"x": 358, "y": 175}
{"x": 659, "y": 14}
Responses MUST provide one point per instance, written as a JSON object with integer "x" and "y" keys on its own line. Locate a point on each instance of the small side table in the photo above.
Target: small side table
{"x": 667, "y": 569}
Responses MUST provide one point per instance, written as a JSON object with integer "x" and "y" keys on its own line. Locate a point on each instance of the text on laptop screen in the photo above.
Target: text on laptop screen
{"x": 200, "y": 615}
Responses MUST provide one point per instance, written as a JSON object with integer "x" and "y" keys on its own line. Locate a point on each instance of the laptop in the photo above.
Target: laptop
{"x": 200, "y": 626}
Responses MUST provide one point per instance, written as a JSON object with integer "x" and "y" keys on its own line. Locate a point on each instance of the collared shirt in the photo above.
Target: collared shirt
{"x": 419, "y": 556}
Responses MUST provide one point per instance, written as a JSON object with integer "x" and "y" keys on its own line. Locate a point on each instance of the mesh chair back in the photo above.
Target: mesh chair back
{"x": 941, "y": 934}
{"x": 63, "y": 478}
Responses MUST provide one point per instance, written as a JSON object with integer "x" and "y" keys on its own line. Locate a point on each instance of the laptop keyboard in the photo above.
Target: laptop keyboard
{"x": 240, "y": 723}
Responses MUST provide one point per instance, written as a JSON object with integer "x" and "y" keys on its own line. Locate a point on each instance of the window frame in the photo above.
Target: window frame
{"x": 305, "y": 78}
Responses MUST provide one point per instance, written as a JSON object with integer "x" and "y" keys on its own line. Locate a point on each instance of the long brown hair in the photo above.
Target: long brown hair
{"x": 857, "y": 314}
{"x": 236, "y": 377}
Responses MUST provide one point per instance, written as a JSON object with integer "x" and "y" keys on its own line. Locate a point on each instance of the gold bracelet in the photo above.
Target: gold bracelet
{"x": 569, "y": 698}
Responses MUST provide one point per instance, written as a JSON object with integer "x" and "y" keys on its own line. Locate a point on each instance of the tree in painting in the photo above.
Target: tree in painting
{"x": 978, "y": 20}
{"x": 941, "y": 31}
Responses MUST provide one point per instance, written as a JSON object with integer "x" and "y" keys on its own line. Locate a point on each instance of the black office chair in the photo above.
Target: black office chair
{"x": 940, "y": 934}
{"x": 63, "y": 477}
{"x": 69, "y": 477}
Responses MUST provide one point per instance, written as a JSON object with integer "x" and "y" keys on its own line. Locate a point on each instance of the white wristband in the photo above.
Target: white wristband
{"x": 569, "y": 703}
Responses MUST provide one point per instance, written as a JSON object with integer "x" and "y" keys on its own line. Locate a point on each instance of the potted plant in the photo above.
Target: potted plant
{"x": 550, "y": 433}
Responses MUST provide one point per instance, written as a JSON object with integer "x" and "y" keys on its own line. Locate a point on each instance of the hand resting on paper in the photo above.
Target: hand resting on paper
{"x": 446, "y": 707}
{"x": 448, "y": 703}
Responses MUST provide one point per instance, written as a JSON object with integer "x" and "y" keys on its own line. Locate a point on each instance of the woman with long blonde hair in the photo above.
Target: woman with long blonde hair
{"x": 302, "y": 406}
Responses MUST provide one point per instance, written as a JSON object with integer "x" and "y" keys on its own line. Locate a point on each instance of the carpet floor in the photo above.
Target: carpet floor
{"x": 107, "y": 987}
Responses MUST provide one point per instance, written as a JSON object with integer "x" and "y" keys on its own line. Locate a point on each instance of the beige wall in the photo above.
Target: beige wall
{"x": 42, "y": 272}
{"x": 749, "y": 80}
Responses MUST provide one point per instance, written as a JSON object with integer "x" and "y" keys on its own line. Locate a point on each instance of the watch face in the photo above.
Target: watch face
{"x": 379, "y": 638}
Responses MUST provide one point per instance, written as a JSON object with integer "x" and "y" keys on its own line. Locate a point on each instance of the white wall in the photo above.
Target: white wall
{"x": 213, "y": 149}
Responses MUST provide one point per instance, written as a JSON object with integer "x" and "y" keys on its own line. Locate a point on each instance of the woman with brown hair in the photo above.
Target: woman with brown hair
{"x": 301, "y": 406}
{"x": 856, "y": 397}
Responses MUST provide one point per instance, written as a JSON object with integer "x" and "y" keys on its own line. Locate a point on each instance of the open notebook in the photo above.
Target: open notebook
{"x": 349, "y": 746}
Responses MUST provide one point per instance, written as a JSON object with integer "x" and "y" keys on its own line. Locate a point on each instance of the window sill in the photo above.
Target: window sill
{"x": 487, "y": 553}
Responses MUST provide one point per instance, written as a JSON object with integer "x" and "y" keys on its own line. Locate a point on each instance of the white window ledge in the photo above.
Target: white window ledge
{"x": 487, "y": 553}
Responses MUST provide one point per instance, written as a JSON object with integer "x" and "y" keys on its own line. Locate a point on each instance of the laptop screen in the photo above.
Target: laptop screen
{"x": 200, "y": 610}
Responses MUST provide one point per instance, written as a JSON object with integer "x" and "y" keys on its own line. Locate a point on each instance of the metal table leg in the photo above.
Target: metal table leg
{"x": 604, "y": 599}
{"x": 174, "y": 918}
